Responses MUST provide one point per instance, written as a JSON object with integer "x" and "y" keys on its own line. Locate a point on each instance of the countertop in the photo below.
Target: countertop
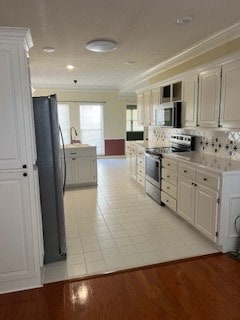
{"x": 208, "y": 161}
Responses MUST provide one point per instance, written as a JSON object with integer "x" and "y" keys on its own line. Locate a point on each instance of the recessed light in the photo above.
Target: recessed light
{"x": 130, "y": 62}
{"x": 101, "y": 45}
{"x": 185, "y": 20}
{"x": 48, "y": 49}
{"x": 70, "y": 67}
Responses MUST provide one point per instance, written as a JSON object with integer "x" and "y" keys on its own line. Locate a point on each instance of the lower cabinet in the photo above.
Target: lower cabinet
{"x": 198, "y": 199}
{"x": 81, "y": 167}
{"x": 135, "y": 162}
{"x": 18, "y": 267}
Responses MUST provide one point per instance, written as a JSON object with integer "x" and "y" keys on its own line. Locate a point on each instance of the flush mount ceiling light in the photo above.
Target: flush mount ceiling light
{"x": 48, "y": 49}
{"x": 70, "y": 67}
{"x": 185, "y": 20}
{"x": 101, "y": 45}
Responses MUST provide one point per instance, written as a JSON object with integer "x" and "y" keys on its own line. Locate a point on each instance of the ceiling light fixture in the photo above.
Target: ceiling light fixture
{"x": 185, "y": 20}
{"x": 130, "y": 62}
{"x": 70, "y": 67}
{"x": 101, "y": 45}
{"x": 48, "y": 49}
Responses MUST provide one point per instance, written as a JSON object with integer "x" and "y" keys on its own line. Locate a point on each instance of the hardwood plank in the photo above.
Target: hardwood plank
{"x": 203, "y": 288}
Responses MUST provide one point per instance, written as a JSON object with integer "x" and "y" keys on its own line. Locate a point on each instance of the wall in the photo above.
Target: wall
{"x": 114, "y": 112}
{"x": 221, "y": 51}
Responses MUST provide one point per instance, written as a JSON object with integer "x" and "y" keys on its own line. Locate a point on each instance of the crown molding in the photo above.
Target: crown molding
{"x": 213, "y": 41}
{"x": 24, "y": 34}
{"x": 78, "y": 88}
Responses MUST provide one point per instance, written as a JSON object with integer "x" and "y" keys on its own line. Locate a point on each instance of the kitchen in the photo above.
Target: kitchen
{"x": 114, "y": 130}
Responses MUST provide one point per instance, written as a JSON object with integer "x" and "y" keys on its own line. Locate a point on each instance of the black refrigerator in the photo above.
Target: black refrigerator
{"x": 48, "y": 134}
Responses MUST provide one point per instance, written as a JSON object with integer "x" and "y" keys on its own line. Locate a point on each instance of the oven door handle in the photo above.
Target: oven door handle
{"x": 152, "y": 156}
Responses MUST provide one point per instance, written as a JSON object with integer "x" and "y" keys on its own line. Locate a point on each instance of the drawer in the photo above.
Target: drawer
{"x": 169, "y": 164}
{"x": 141, "y": 161}
{"x": 207, "y": 180}
{"x": 169, "y": 176}
{"x": 140, "y": 170}
{"x": 169, "y": 189}
{"x": 141, "y": 180}
{"x": 187, "y": 172}
{"x": 169, "y": 201}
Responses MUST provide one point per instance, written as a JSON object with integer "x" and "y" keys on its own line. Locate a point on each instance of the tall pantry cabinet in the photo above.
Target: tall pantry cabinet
{"x": 20, "y": 223}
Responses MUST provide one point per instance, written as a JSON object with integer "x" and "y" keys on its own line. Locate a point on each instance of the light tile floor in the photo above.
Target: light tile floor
{"x": 117, "y": 226}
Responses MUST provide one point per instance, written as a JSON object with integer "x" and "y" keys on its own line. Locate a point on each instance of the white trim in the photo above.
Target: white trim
{"x": 201, "y": 47}
{"x": 17, "y": 33}
{"x": 72, "y": 87}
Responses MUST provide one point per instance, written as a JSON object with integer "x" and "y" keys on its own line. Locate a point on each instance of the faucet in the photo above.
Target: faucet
{"x": 71, "y": 135}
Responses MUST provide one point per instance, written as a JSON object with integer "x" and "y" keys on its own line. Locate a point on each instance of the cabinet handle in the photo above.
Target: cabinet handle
{"x": 205, "y": 179}
{"x": 73, "y": 153}
{"x": 168, "y": 164}
{"x": 166, "y": 200}
{"x": 25, "y": 174}
{"x": 168, "y": 176}
{"x": 185, "y": 171}
{"x": 168, "y": 188}
{"x": 73, "y": 158}
{"x": 24, "y": 166}
{"x": 193, "y": 183}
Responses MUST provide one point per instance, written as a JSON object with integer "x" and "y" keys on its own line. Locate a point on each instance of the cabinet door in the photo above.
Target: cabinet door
{"x": 140, "y": 115}
{"x": 230, "y": 115}
{"x": 206, "y": 211}
{"x": 155, "y": 104}
{"x": 133, "y": 163}
{"x": 146, "y": 105}
{"x": 189, "y": 101}
{"x": 12, "y": 131}
{"x": 70, "y": 171}
{"x": 185, "y": 204}
{"x": 85, "y": 170}
{"x": 16, "y": 236}
{"x": 209, "y": 97}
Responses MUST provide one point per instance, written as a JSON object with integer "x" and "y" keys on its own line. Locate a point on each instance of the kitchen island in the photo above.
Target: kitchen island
{"x": 81, "y": 165}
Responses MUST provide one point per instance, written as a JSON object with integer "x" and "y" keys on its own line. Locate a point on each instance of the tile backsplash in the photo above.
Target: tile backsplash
{"x": 224, "y": 143}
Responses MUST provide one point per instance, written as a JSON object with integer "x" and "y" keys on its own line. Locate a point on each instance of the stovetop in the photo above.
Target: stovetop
{"x": 162, "y": 150}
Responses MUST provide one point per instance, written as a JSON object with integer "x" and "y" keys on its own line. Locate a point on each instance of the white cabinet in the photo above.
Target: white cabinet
{"x": 147, "y": 102}
{"x": 209, "y": 97}
{"x": 81, "y": 167}
{"x": 135, "y": 162}
{"x": 169, "y": 183}
{"x": 19, "y": 194}
{"x": 140, "y": 110}
{"x": 189, "y": 101}
{"x": 206, "y": 208}
{"x": 198, "y": 194}
{"x": 230, "y": 115}
{"x": 185, "y": 205}
{"x": 140, "y": 166}
{"x": 155, "y": 104}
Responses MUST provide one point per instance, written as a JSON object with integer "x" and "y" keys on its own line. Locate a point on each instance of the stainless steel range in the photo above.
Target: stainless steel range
{"x": 153, "y": 156}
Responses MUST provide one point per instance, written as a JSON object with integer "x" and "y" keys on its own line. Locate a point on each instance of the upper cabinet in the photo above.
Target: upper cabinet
{"x": 140, "y": 113}
{"x": 189, "y": 101}
{"x": 146, "y": 107}
{"x": 209, "y": 97}
{"x": 230, "y": 115}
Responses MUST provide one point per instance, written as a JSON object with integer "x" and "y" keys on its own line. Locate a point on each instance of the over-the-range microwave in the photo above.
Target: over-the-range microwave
{"x": 169, "y": 115}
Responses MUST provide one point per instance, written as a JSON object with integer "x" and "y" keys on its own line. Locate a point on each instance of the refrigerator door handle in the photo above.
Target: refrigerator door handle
{"x": 64, "y": 159}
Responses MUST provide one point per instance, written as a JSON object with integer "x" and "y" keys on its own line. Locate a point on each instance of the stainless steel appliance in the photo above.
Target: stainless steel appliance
{"x": 153, "y": 156}
{"x": 50, "y": 177}
{"x": 169, "y": 115}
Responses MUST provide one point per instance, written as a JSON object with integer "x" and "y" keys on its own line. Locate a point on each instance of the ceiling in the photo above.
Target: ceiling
{"x": 146, "y": 32}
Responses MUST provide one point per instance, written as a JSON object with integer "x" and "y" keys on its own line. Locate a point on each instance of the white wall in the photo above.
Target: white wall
{"x": 114, "y": 112}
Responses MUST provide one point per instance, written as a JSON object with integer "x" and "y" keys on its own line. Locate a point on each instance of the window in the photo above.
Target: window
{"x": 64, "y": 121}
{"x": 91, "y": 125}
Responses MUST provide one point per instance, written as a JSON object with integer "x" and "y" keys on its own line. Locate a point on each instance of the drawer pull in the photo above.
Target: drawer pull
{"x": 168, "y": 176}
{"x": 73, "y": 158}
{"x": 193, "y": 183}
{"x": 168, "y": 164}
{"x": 185, "y": 171}
{"x": 168, "y": 188}
{"x": 73, "y": 153}
{"x": 166, "y": 200}
{"x": 205, "y": 179}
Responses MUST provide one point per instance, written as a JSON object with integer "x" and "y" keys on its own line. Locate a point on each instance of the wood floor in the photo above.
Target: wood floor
{"x": 202, "y": 288}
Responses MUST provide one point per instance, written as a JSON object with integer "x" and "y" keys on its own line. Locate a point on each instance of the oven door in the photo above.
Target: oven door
{"x": 153, "y": 169}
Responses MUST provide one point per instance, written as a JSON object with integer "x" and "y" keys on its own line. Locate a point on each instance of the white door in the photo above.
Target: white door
{"x": 230, "y": 115}
{"x": 16, "y": 236}
{"x": 189, "y": 101}
{"x": 209, "y": 97}
{"x": 13, "y": 153}
{"x": 185, "y": 204}
{"x": 206, "y": 211}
